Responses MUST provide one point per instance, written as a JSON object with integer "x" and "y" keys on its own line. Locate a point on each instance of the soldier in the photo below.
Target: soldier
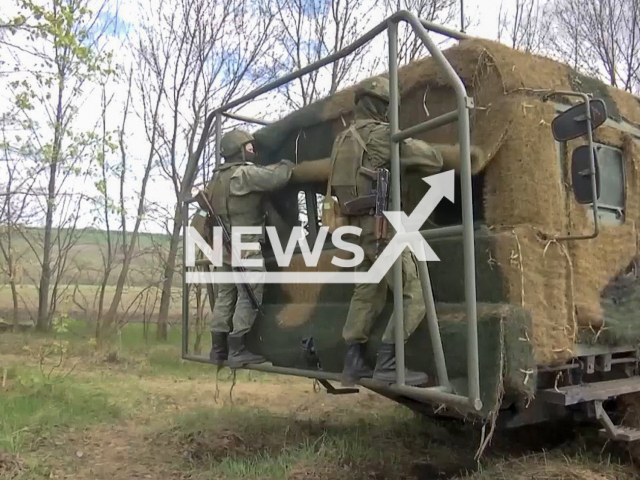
{"x": 236, "y": 194}
{"x": 365, "y": 144}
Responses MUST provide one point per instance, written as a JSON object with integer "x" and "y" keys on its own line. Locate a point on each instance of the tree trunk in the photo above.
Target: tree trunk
{"x": 103, "y": 287}
{"x": 14, "y": 298}
{"x": 11, "y": 266}
{"x": 45, "y": 276}
{"x": 169, "y": 271}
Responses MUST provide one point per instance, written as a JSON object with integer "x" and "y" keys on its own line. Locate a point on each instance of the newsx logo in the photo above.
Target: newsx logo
{"x": 407, "y": 236}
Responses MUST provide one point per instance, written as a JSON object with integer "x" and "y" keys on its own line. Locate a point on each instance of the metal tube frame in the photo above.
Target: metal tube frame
{"x": 396, "y": 203}
{"x": 431, "y": 394}
{"x": 432, "y": 124}
{"x": 244, "y": 118}
{"x": 441, "y": 394}
{"x": 592, "y": 166}
{"x": 432, "y": 324}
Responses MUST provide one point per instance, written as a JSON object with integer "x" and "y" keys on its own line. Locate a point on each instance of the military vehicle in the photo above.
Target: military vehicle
{"x": 532, "y": 309}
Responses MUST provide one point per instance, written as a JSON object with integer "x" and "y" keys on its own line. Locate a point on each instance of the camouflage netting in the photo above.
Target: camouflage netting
{"x": 528, "y": 200}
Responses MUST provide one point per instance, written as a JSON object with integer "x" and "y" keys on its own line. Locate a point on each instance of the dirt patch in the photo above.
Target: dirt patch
{"x": 310, "y": 470}
{"x": 554, "y": 467}
{"x": 198, "y": 447}
{"x": 108, "y": 452}
{"x": 10, "y": 466}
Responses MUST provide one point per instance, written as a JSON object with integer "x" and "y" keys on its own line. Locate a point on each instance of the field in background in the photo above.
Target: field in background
{"x": 85, "y": 259}
{"x": 81, "y": 301}
{"x": 79, "y": 285}
{"x": 135, "y": 410}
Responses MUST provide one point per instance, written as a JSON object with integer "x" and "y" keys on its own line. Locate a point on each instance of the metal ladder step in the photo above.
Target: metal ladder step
{"x": 614, "y": 432}
{"x": 589, "y": 392}
{"x": 623, "y": 434}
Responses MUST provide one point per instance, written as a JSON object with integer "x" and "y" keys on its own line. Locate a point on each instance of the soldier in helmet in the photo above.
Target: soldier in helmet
{"x": 366, "y": 144}
{"x": 236, "y": 194}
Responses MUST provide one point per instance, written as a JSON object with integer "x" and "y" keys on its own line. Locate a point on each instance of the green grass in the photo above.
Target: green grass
{"x": 243, "y": 443}
{"x": 35, "y": 408}
{"x": 128, "y": 350}
{"x": 162, "y": 411}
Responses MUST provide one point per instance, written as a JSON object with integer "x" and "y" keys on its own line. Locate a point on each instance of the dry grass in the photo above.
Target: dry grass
{"x": 86, "y": 302}
{"x": 556, "y": 467}
{"x": 151, "y": 416}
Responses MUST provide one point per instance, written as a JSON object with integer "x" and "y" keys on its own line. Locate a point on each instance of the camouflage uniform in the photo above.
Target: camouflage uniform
{"x": 236, "y": 193}
{"x": 243, "y": 206}
{"x": 368, "y": 299}
{"x": 366, "y": 144}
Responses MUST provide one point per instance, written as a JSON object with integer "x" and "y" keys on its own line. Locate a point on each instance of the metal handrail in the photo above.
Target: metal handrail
{"x": 432, "y": 124}
{"x": 438, "y": 394}
{"x": 463, "y": 105}
{"x": 592, "y": 165}
{"x": 245, "y": 119}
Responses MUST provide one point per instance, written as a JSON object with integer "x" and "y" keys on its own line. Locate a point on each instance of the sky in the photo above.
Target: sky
{"x": 484, "y": 20}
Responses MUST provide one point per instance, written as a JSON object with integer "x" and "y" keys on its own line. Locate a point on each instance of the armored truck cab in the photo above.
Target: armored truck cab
{"x": 556, "y": 284}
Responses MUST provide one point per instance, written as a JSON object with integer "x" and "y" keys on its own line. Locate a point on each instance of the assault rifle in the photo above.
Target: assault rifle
{"x": 373, "y": 204}
{"x": 226, "y": 240}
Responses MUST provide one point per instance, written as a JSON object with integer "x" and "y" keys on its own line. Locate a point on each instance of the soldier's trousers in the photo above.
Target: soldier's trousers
{"x": 233, "y": 311}
{"x": 369, "y": 299}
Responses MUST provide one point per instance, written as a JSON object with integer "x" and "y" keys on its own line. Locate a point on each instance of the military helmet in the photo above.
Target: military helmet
{"x": 376, "y": 87}
{"x": 233, "y": 141}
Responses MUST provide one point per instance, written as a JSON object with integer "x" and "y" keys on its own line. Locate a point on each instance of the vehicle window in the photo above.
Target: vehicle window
{"x": 319, "y": 200}
{"x": 611, "y": 204}
{"x": 294, "y": 208}
{"x": 447, "y": 213}
{"x": 308, "y": 213}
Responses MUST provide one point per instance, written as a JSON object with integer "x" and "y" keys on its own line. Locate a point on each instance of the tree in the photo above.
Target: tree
{"x": 12, "y": 211}
{"x": 104, "y": 203}
{"x": 62, "y": 46}
{"x": 443, "y": 12}
{"x": 217, "y": 53}
{"x": 524, "y": 25}
{"x": 308, "y": 30}
{"x": 600, "y": 38}
{"x": 150, "y": 81}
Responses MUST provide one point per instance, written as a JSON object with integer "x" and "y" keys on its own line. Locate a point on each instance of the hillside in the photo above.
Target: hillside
{"x": 85, "y": 260}
{"x": 78, "y": 287}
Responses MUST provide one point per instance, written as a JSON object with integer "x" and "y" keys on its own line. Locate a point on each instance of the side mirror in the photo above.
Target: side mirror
{"x": 573, "y": 122}
{"x": 581, "y": 175}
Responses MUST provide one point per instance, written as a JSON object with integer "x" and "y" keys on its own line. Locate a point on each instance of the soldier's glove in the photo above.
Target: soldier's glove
{"x": 312, "y": 171}
{"x": 451, "y": 156}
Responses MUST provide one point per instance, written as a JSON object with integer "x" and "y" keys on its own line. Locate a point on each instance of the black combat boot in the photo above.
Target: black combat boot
{"x": 385, "y": 370}
{"x": 219, "y": 349}
{"x": 239, "y": 355}
{"x": 355, "y": 366}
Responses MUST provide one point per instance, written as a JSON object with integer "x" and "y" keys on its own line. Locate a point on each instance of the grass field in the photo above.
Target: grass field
{"x": 85, "y": 259}
{"x": 79, "y": 285}
{"x": 136, "y": 410}
{"x": 86, "y": 302}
